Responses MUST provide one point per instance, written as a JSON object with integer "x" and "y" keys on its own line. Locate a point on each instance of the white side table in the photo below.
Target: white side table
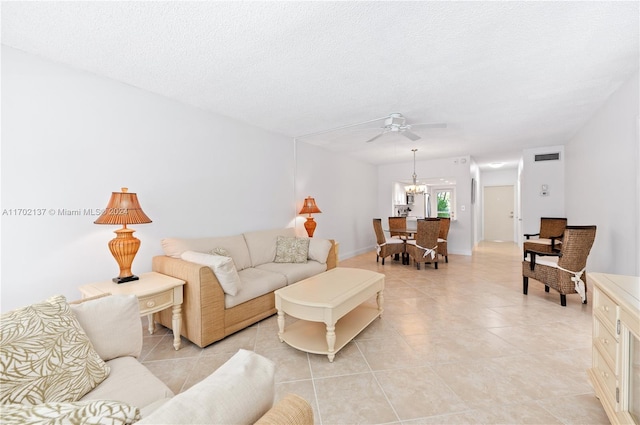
{"x": 155, "y": 292}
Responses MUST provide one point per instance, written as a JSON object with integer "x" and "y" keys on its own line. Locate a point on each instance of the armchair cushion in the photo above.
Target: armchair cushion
{"x": 112, "y": 324}
{"x": 46, "y": 356}
{"x": 542, "y": 258}
{"x": 239, "y": 392}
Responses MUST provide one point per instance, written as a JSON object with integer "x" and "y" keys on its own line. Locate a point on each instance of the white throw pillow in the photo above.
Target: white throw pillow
{"x": 223, "y": 268}
{"x": 319, "y": 249}
{"x": 112, "y": 324}
{"x": 238, "y": 392}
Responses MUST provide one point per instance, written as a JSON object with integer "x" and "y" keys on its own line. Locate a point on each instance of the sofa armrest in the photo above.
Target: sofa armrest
{"x": 203, "y": 300}
{"x": 332, "y": 257}
{"x": 291, "y": 410}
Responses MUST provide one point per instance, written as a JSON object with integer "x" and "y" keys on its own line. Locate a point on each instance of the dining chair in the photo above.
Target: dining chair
{"x": 563, "y": 271}
{"x": 445, "y": 223}
{"x": 548, "y": 238}
{"x": 397, "y": 223}
{"x": 424, "y": 248}
{"x": 386, "y": 247}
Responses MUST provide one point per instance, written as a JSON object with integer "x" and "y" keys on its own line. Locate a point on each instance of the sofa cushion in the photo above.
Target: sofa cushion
{"x": 255, "y": 282}
{"x": 262, "y": 244}
{"x": 46, "y": 356}
{"x": 222, "y": 267}
{"x": 291, "y": 250}
{"x": 238, "y": 392}
{"x": 130, "y": 382}
{"x": 78, "y": 413}
{"x": 112, "y": 324}
{"x": 295, "y": 272}
{"x": 319, "y": 249}
{"x": 234, "y": 245}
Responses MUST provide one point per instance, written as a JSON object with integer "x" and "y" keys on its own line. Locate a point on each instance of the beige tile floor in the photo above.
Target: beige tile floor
{"x": 457, "y": 345}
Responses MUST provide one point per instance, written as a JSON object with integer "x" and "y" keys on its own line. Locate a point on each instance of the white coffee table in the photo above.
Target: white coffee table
{"x": 337, "y": 294}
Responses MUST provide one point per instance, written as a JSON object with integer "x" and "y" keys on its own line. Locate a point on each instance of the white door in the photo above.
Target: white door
{"x": 498, "y": 213}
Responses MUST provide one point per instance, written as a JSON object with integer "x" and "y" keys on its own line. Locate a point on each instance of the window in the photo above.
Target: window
{"x": 445, "y": 202}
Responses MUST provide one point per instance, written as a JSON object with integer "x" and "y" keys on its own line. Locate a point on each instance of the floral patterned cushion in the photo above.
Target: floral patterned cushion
{"x": 45, "y": 356}
{"x": 291, "y": 250}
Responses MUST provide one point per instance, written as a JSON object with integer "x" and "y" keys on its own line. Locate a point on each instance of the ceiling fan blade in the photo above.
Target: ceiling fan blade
{"x": 410, "y": 135}
{"x": 375, "y": 137}
{"x": 431, "y": 125}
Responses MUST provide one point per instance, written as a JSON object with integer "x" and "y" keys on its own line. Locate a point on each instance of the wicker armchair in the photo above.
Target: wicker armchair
{"x": 563, "y": 271}
{"x": 386, "y": 246}
{"x": 549, "y": 237}
{"x": 424, "y": 248}
{"x": 442, "y": 238}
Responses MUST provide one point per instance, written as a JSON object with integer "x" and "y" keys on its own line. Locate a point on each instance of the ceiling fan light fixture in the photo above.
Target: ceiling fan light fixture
{"x": 395, "y": 120}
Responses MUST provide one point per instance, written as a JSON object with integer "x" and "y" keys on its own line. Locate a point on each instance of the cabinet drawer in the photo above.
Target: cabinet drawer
{"x": 605, "y": 307}
{"x": 157, "y": 302}
{"x": 605, "y": 375}
{"x": 605, "y": 341}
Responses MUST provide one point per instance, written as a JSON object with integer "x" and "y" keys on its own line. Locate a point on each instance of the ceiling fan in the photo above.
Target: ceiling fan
{"x": 397, "y": 123}
{"x": 393, "y": 123}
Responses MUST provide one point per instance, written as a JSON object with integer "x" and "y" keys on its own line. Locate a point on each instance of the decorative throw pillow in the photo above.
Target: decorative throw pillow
{"x": 223, "y": 268}
{"x": 291, "y": 250}
{"x": 220, "y": 251}
{"x": 112, "y": 324}
{"x": 45, "y": 356}
{"x": 97, "y": 412}
{"x": 319, "y": 249}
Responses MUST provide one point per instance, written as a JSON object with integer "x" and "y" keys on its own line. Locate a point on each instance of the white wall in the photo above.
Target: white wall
{"x": 346, "y": 193}
{"x": 602, "y": 181}
{"x": 461, "y": 230}
{"x": 70, "y": 138}
{"x": 534, "y": 175}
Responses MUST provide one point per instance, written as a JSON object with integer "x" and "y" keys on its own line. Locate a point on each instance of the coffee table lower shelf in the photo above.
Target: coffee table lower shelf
{"x": 311, "y": 337}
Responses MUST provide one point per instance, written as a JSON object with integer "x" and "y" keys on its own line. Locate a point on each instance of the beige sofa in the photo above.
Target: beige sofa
{"x": 209, "y": 311}
{"x": 77, "y": 364}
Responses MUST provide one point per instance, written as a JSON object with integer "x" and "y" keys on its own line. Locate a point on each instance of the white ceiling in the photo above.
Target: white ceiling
{"x": 504, "y": 76}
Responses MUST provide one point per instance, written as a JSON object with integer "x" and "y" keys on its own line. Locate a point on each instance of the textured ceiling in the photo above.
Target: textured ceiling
{"x": 504, "y": 76}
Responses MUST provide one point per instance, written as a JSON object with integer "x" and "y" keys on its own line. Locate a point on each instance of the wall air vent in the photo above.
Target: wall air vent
{"x": 548, "y": 157}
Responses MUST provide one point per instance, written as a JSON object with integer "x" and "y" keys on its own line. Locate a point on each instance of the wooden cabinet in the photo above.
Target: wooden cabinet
{"x": 615, "y": 370}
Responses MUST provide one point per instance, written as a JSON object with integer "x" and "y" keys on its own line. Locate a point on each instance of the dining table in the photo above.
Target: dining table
{"x": 406, "y": 234}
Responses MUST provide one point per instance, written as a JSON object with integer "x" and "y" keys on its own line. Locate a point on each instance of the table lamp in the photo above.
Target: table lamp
{"x": 124, "y": 208}
{"x": 310, "y": 207}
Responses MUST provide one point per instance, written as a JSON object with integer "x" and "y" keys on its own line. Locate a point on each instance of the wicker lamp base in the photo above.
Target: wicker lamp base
{"x": 124, "y": 248}
{"x": 310, "y": 225}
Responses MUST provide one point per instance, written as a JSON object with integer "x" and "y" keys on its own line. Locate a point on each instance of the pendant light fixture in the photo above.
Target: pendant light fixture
{"x": 415, "y": 188}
